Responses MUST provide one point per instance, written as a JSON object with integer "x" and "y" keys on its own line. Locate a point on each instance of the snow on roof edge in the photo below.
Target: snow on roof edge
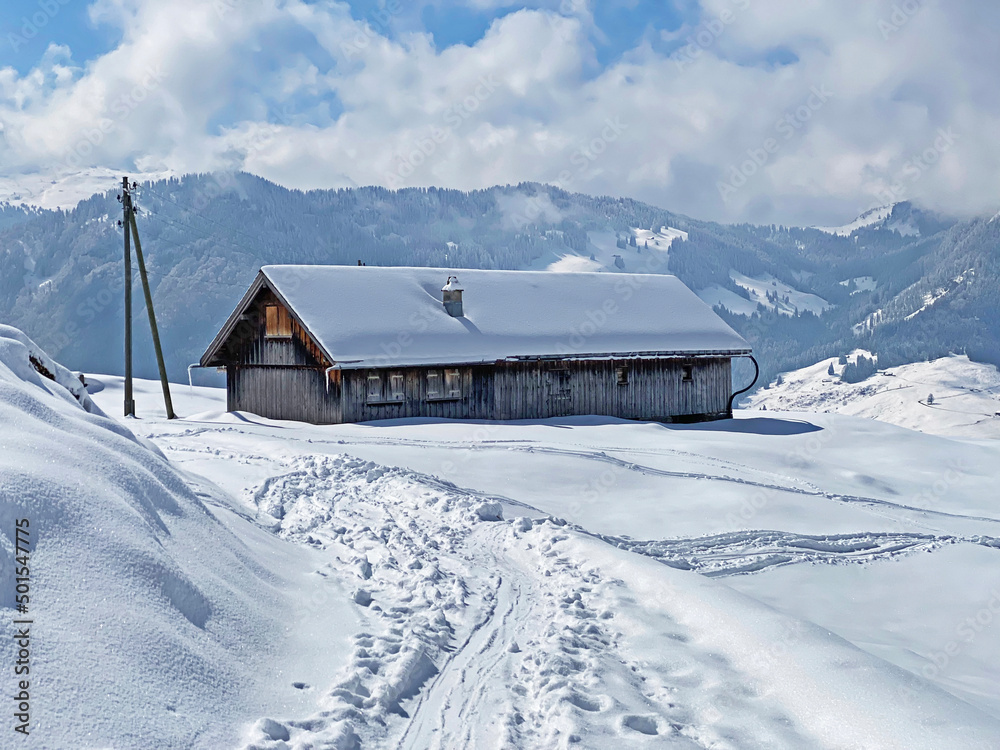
{"x": 509, "y": 322}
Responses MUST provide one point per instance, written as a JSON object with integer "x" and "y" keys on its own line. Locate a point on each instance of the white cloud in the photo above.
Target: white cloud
{"x": 307, "y": 96}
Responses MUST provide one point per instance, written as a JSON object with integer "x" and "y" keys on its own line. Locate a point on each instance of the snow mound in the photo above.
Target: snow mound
{"x": 146, "y": 611}
{"x": 24, "y": 360}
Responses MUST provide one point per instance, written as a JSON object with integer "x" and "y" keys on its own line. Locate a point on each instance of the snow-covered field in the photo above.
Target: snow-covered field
{"x": 777, "y": 581}
{"x": 965, "y": 403}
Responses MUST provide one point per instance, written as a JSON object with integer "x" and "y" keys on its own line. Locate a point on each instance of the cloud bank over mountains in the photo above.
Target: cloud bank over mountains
{"x": 731, "y": 110}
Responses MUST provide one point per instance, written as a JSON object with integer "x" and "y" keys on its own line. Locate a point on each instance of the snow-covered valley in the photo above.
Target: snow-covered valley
{"x": 778, "y": 581}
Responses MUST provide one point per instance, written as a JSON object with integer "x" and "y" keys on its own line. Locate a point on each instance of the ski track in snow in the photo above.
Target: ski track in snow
{"x": 752, "y": 551}
{"x": 456, "y": 600}
{"x": 533, "y": 632}
{"x": 491, "y": 599}
{"x": 487, "y": 634}
{"x": 777, "y": 483}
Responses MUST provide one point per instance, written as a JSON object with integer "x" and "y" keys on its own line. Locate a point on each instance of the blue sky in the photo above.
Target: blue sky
{"x": 29, "y": 26}
{"x": 735, "y": 110}
{"x": 26, "y": 30}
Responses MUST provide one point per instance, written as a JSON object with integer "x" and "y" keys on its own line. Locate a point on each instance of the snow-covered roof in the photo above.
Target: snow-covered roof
{"x": 378, "y": 317}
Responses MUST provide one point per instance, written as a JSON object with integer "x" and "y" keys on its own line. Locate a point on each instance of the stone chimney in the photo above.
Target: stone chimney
{"x": 452, "y": 292}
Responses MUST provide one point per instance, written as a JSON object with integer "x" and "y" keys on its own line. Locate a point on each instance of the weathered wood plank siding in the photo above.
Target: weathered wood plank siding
{"x": 285, "y": 377}
{"x": 653, "y": 390}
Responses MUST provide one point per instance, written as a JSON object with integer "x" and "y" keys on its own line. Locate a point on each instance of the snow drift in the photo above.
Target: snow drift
{"x": 149, "y": 615}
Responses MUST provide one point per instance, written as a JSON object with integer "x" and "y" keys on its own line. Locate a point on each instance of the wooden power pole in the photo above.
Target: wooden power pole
{"x": 130, "y": 224}
{"x": 129, "y": 401}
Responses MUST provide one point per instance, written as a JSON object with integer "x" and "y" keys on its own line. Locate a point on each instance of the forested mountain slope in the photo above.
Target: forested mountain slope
{"x": 908, "y": 285}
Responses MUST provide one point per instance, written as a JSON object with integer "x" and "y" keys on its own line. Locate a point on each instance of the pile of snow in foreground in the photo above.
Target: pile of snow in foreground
{"x": 486, "y": 621}
{"x": 153, "y": 625}
{"x": 965, "y": 395}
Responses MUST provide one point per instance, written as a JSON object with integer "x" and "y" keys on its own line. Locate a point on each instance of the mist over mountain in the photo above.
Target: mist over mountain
{"x": 901, "y": 282}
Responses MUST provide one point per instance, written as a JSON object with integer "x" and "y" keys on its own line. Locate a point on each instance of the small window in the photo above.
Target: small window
{"x": 434, "y": 384}
{"x": 396, "y": 387}
{"x": 277, "y": 322}
{"x": 687, "y": 373}
{"x": 453, "y": 383}
{"x": 374, "y": 389}
{"x": 622, "y": 373}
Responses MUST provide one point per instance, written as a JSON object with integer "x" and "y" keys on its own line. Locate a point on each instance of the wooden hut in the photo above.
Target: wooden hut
{"x": 335, "y": 344}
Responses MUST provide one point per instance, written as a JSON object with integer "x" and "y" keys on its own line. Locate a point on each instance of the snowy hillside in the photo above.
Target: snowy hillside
{"x": 158, "y": 615}
{"x": 64, "y": 190}
{"x": 765, "y": 290}
{"x": 604, "y": 253}
{"x": 903, "y": 219}
{"x": 874, "y": 217}
{"x": 907, "y": 296}
{"x": 594, "y": 583}
{"x": 949, "y": 396}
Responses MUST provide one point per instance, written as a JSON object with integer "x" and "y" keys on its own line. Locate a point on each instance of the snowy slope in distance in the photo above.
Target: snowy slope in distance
{"x": 867, "y": 219}
{"x": 603, "y": 254}
{"x": 789, "y": 299}
{"x": 966, "y": 395}
{"x": 65, "y": 190}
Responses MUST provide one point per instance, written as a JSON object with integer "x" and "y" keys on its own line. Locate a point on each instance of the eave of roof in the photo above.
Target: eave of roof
{"x": 208, "y": 359}
{"x": 602, "y": 357}
{"x": 261, "y": 281}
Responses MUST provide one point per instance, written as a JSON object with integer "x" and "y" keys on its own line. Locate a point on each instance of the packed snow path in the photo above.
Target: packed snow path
{"x": 490, "y": 622}
{"x": 496, "y": 634}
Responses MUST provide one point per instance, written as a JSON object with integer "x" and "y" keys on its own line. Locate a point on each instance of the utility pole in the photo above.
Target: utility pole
{"x": 130, "y": 224}
{"x": 129, "y": 401}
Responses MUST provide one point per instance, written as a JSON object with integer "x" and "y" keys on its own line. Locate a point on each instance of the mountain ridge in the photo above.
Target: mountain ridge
{"x": 798, "y": 294}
